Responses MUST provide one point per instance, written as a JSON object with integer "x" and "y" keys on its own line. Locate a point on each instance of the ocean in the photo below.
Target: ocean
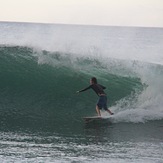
{"x": 41, "y": 68}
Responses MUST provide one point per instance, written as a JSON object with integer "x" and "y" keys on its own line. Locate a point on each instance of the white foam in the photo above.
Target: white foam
{"x": 143, "y": 44}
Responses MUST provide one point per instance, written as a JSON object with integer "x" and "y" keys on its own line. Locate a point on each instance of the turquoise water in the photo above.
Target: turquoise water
{"x": 41, "y": 68}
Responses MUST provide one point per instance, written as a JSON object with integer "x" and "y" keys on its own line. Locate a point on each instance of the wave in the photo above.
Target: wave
{"x": 42, "y": 67}
{"x": 38, "y": 88}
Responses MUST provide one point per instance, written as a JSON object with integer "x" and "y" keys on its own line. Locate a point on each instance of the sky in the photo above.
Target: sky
{"x": 146, "y": 13}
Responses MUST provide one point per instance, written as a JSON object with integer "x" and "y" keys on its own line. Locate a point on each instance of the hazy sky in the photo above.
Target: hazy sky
{"x": 93, "y": 12}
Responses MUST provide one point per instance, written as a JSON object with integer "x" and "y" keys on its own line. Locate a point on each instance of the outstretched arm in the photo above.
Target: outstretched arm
{"x": 84, "y": 89}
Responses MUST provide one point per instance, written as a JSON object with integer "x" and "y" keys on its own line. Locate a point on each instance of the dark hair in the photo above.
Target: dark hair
{"x": 94, "y": 80}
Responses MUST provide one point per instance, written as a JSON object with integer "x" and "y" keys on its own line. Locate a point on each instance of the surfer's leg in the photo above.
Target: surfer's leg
{"x": 99, "y": 106}
{"x": 106, "y": 107}
{"x": 98, "y": 111}
{"x": 109, "y": 112}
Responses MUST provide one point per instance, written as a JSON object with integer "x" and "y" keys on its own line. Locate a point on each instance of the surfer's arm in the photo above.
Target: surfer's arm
{"x": 84, "y": 89}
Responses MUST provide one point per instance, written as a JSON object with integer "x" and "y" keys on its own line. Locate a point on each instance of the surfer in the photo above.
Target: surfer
{"x": 99, "y": 90}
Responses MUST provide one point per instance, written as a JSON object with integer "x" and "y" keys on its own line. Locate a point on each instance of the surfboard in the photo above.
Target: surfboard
{"x": 96, "y": 119}
{"x": 91, "y": 118}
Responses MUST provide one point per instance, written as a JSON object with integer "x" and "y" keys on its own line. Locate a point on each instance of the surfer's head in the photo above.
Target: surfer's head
{"x": 93, "y": 80}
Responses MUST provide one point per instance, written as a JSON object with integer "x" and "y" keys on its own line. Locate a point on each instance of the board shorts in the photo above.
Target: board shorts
{"x": 102, "y": 102}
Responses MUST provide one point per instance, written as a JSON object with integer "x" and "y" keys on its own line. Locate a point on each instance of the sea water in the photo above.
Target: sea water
{"x": 41, "y": 68}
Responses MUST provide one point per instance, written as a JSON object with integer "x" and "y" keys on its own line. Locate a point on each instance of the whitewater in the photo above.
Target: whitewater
{"x": 41, "y": 68}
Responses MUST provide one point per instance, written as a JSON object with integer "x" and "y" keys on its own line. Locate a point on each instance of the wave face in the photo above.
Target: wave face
{"x": 42, "y": 67}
